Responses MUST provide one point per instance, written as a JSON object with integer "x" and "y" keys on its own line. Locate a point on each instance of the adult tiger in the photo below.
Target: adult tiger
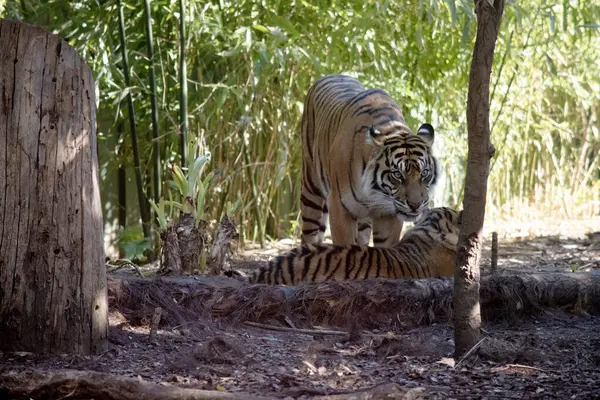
{"x": 361, "y": 163}
{"x": 425, "y": 251}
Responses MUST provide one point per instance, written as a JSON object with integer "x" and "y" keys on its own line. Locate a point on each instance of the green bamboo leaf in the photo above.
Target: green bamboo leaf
{"x": 159, "y": 210}
{"x": 234, "y": 208}
{"x": 208, "y": 179}
{"x": 180, "y": 180}
{"x": 261, "y": 28}
{"x": 419, "y": 37}
{"x": 200, "y": 199}
{"x": 551, "y": 65}
{"x": 285, "y": 25}
{"x": 452, "y": 8}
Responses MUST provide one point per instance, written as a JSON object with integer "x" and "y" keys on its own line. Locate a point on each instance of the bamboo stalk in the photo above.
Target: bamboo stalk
{"x": 156, "y": 170}
{"x": 121, "y": 182}
{"x": 183, "y": 92}
{"x": 144, "y": 208}
{"x": 255, "y": 194}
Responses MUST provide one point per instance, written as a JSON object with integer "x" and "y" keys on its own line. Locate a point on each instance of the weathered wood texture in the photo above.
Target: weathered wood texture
{"x": 52, "y": 275}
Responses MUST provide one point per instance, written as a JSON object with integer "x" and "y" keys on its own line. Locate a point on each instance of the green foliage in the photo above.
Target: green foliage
{"x": 250, "y": 63}
{"x": 188, "y": 190}
{"x": 133, "y": 244}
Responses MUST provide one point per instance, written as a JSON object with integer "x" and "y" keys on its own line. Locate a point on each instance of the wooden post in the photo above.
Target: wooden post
{"x": 494, "y": 252}
{"x": 52, "y": 276}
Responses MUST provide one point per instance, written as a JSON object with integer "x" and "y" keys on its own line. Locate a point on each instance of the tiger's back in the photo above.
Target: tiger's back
{"x": 427, "y": 250}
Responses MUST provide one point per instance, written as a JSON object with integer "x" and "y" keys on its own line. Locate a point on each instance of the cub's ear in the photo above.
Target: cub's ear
{"x": 427, "y": 133}
{"x": 374, "y": 137}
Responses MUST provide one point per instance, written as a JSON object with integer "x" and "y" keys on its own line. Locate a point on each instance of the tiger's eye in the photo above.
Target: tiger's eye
{"x": 398, "y": 176}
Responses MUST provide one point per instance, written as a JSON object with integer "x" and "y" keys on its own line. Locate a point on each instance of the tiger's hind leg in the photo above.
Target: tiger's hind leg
{"x": 364, "y": 231}
{"x": 314, "y": 213}
{"x": 386, "y": 231}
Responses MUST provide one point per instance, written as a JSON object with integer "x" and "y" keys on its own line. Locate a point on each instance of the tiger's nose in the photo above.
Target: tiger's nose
{"x": 414, "y": 205}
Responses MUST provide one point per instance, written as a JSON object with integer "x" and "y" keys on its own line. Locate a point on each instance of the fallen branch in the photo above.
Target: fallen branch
{"x": 99, "y": 386}
{"x": 366, "y": 304}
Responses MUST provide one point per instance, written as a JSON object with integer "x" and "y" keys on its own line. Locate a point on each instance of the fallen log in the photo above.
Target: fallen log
{"x": 60, "y": 384}
{"x": 370, "y": 303}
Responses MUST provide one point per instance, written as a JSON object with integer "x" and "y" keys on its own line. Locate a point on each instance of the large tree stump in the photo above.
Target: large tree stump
{"x": 52, "y": 277}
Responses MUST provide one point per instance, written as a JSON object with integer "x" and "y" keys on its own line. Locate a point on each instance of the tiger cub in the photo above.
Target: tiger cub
{"x": 361, "y": 164}
{"x": 427, "y": 250}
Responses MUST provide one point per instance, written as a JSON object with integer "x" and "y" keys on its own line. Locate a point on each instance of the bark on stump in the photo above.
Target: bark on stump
{"x": 52, "y": 278}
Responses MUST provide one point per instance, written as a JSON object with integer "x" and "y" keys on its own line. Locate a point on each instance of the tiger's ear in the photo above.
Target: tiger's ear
{"x": 374, "y": 137}
{"x": 427, "y": 133}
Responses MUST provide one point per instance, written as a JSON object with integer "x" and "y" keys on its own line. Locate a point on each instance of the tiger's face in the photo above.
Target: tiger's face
{"x": 402, "y": 172}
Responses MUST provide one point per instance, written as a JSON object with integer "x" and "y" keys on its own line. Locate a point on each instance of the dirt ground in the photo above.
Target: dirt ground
{"x": 555, "y": 355}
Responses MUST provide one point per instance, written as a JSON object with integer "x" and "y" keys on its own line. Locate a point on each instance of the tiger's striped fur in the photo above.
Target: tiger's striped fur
{"x": 427, "y": 250}
{"x": 361, "y": 163}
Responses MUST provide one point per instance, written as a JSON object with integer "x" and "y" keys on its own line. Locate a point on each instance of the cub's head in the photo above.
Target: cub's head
{"x": 437, "y": 226}
{"x": 401, "y": 171}
{"x": 442, "y": 219}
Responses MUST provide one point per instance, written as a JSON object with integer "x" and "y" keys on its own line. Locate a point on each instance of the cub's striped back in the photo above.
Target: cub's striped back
{"x": 427, "y": 250}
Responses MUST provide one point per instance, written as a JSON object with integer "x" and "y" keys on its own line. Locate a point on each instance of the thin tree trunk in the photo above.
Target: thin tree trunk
{"x": 467, "y": 316}
{"x": 144, "y": 207}
{"x": 53, "y": 296}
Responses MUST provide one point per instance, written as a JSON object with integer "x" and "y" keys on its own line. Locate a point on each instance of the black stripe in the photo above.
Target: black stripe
{"x": 349, "y": 264}
{"x": 366, "y": 94}
{"x": 306, "y": 267}
{"x": 364, "y": 225}
{"x": 308, "y": 232}
{"x": 307, "y": 202}
{"x": 388, "y": 261}
{"x": 351, "y": 181}
{"x": 376, "y": 260}
{"x": 378, "y": 271}
{"x": 338, "y": 264}
{"x": 311, "y": 220}
{"x": 277, "y": 269}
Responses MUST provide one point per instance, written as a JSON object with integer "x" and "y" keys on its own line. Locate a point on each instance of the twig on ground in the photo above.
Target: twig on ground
{"x": 473, "y": 349}
{"x": 506, "y": 366}
{"x": 123, "y": 262}
{"x": 295, "y": 330}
